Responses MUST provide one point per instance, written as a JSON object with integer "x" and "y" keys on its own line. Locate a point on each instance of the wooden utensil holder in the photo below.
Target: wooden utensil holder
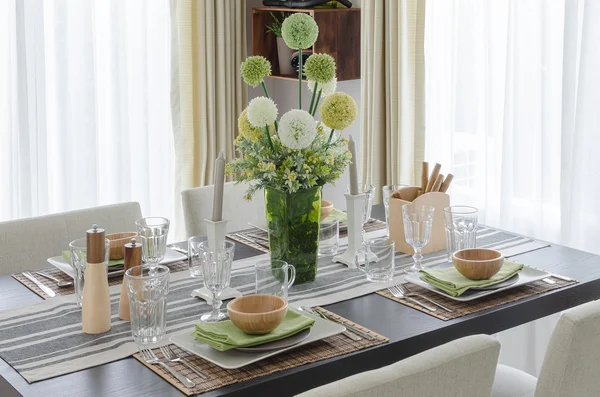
{"x": 409, "y": 195}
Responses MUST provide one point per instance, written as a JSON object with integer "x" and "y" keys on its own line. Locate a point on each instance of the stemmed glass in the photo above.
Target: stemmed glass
{"x": 387, "y": 191}
{"x": 153, "y": 233}
{"x": 417, "y": 231}
{"x": 216, "y": 270}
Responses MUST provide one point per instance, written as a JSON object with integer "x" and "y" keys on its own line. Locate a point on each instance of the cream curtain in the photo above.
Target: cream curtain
{"x": 392, "y": 91}
{"x": 209, "y": 43}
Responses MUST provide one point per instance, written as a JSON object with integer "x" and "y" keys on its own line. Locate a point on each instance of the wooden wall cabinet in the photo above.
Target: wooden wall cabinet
{"x": 339, "y": 36}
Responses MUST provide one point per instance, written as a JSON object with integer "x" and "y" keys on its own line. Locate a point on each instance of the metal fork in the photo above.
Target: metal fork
{"x": 151, "y": 358}
{"x": 397, "y": 293}
{"x": 172, "y": 357}
{"x": 407, "y": 292}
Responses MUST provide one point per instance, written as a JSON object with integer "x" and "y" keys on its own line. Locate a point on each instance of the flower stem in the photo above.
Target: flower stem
{"x": 269, "y": 138}
{"x": 264, "y": 86}
{"x": 312, "y": 100}
{"x": 318, "y": 100}
{"x": 300, "y": 79}
{"x": 330, "y": 136}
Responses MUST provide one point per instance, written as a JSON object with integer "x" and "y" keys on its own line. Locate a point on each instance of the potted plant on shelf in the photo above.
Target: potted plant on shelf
{"x": 291, "y": 159}
{"x": 284, "y": 53}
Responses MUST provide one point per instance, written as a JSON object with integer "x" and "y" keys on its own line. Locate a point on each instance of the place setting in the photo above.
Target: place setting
{"x": 466, "y": 268}
{"x": 256, "y": 334}
{"x": 65, "y": 276}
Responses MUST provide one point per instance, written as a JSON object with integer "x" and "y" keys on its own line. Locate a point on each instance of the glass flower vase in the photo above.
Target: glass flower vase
{"x": 293, "y": 222}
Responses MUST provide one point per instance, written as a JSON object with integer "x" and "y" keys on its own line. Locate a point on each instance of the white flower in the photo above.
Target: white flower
{"x": 262, "y": 112}
{"x": 297, "y": 129}
{"x": 325, "y": 88}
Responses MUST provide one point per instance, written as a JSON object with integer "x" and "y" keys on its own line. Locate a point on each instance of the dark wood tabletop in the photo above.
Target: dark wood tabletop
{"x": 410, "y": 332}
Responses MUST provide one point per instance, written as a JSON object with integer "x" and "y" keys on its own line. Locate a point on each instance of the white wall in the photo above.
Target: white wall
{"x": 285, "y": 94}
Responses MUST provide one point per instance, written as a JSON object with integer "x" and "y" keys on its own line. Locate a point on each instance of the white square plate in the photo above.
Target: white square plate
{"x": 232, "y": 359}
{"x": 526, "y": 276}
{"x": 61, "y": 264}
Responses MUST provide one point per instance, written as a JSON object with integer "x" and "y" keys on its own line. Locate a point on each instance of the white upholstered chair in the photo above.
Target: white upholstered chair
{"x": 462, "y": 368}
{"x": 25, "y": 244}
{"x": 198, "y": 203}
{"x": 571, "y": 366}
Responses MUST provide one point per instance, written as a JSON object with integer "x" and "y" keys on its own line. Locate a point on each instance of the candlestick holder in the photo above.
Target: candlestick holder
{"x": 215, "y": 231}
{"x": 354, "y": 208}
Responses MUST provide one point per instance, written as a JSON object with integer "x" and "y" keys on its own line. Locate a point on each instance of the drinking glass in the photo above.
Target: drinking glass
{"x": 147, "y": 290}
{"x": 387, "y": 191}
{"x": 216, "y": 270}
{"x": 153, "y": 233}
{"x": 194, "y": 262}
{"x": 274, "y": 277}
{"x": 461, "y": 228}
{"x": 376, "y": 259}
{"x": 369, "y": 191}
{"x": 417, "y": 231}
{"x": 329, "y": 237}
{"x": 78, "y": 250}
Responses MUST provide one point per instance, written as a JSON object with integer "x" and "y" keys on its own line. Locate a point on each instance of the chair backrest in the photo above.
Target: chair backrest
{"x": 25, "y": 244}
{"x": 198, "y": 203}
{"x": 571, "y": 366}
{"x": 462, "y": 368}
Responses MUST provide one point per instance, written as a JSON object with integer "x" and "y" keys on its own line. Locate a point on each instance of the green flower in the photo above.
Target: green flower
{"x": 320, "y": 68}
{"x": 254, "y": 69}
{"x": 299, "y": 31}
{"x": 338, "y": 111}
{"x": 248, "y": 131}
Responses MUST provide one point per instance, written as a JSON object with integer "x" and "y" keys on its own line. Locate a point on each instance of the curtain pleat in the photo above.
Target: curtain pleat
{"x": 208, "y": 93}
{"x": 392, "y": 88}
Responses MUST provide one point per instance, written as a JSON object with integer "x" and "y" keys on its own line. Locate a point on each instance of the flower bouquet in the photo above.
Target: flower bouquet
{"x": 293, "y": 157}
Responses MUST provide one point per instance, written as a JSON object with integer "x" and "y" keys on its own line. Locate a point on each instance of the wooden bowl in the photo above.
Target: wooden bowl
{"x": 257, "y": 314}
{"x": 326, "y": 208}
{"x": 478, "y": 263}
{"x": 117, "y": 244}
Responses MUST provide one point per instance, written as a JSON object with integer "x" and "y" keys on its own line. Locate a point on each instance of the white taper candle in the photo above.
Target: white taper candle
{"x": 219, "y": 181}
{"x": 353, "y": 167}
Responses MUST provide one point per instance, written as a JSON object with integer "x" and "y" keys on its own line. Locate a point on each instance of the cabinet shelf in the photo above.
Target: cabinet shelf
{"x": 339, "y": 36}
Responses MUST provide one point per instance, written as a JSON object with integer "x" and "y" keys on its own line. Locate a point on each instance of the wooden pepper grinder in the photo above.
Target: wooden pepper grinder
{"x": 95, "y": 311}
{"x": 133, "y": 257}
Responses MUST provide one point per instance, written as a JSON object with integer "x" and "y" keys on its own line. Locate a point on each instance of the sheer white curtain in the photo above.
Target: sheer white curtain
{"x": 84, "y": 105}
{"x": 513, "y": 106}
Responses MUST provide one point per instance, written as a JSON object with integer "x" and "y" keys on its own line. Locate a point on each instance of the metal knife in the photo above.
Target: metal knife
{"x": 350, "y": 327}
{"x": 46, "y": 290}
{"x": 240, "y": 235}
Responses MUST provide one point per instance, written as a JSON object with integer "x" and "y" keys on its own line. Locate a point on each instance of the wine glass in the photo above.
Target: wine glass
{"x": 153, "y": 233}
{"x": 216, "y": 270}
{"x": 418, "y": 220}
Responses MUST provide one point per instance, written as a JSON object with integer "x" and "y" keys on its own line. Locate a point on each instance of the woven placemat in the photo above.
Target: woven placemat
{"x": 258, "y": 239}
{"x": 56, "y": 273}
{"x": 219, "y": 377}
{"x": 478, "y": 305}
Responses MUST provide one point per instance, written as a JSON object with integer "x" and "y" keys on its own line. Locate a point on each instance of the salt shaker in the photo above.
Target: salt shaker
{"x": 95, "y": 312}
{"x": 133, "y": 257}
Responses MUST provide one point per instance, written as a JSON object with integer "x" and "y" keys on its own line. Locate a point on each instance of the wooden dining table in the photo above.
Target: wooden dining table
{"x": 409, "y": 332}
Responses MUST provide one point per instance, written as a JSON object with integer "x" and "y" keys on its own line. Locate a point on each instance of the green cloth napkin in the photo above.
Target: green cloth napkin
{"x": 224, "y": 335}
{"x": 340, "y": 215}
{"x": 114, "y": 262}
{"x": 455, "y": 284}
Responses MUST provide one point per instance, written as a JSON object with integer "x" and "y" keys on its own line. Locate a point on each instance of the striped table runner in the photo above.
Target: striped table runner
{"x": 45, "y": 340}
